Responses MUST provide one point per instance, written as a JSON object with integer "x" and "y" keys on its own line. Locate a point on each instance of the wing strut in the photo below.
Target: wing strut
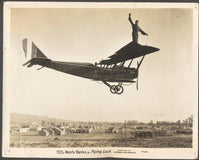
{"x": 122, "y": 64}
{"x": 140, "y": 62}
{"x": 40, "y": 68}
{"x": 106, "y": 83}
{"x": 130, "y": 63}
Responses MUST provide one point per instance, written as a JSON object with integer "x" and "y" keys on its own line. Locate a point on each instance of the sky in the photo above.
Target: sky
{"x": 167, "y": 78}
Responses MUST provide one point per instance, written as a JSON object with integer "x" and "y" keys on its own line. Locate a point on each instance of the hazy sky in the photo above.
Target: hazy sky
{"x": 167, "y": 78}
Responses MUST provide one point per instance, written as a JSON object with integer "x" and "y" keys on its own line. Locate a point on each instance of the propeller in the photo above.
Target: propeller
{"x": 137, "y": 75}
{"x": 138, "y": 66}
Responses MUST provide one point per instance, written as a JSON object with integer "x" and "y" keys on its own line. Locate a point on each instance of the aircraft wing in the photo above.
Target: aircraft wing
{"x": 130, "y": 51}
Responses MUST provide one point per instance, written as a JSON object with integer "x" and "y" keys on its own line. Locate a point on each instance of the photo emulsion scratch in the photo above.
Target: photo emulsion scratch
{"x": 90, "y": 80}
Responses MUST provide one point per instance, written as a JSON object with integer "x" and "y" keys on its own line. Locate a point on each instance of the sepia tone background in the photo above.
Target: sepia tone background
{"x": 168, "y": 78}
{"x": 167, "y": 81}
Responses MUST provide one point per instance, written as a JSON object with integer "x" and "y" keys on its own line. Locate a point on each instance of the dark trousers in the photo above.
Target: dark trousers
{"x": 135, "y": 37}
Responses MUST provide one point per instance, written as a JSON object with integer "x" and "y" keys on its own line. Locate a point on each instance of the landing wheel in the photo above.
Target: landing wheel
{"x": 119, "y": 89}
{"x": 116, "y": 89}
{"x": 113, "y": 89}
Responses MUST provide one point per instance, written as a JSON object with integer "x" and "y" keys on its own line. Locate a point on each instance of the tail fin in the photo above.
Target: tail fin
{"x": 35, "y": 51}
{"x": 24, "y": 44}
{"x": 32, "y": 52}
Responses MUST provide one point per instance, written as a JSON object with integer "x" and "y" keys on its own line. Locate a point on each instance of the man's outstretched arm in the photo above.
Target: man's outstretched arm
{"x": 130, "y": 19}
{"x": 144, "y": 33}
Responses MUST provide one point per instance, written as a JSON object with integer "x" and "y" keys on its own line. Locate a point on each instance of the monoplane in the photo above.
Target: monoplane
{"x": 107, "y": 71}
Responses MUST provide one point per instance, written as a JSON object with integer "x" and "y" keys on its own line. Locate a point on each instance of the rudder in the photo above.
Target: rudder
{"x": 35, "y": 52}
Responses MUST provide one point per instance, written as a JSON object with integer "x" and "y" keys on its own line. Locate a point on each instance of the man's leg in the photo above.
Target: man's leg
{"x": 135, "y": 38}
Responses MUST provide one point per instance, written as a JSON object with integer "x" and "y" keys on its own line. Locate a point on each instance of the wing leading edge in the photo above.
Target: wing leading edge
{"x": 130, "y": 51}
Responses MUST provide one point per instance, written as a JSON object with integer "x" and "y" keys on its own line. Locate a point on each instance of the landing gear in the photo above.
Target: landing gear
{"x": 115, "y": 89}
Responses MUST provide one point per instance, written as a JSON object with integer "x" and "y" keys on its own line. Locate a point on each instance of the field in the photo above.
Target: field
{"x": 33, "y": 140}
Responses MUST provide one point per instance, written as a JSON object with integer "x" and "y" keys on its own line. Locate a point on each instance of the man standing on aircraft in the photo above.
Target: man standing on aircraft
{"x": 136, "y": 28}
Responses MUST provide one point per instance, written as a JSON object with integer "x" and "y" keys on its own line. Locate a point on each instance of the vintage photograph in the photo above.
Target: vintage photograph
{"x": 107, "y": 76}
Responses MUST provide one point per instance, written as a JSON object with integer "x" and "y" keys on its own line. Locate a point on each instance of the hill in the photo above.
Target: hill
{"x": 16, "y": 118}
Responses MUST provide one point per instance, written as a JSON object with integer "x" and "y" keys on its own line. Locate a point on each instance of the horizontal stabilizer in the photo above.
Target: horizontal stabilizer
{"x": 27, "y": 63}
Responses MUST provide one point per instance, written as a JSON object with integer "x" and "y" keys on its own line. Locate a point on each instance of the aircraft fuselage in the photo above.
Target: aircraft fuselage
{"x": 88, "y": 70}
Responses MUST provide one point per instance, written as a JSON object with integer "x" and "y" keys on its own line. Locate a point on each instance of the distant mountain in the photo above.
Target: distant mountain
{"x": 16, "y": 118}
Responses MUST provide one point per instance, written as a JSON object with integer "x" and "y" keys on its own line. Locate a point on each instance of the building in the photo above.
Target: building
{"x": 24, "y": 128}
{"x": 34, "y": 126}
{"x": 58, "y": 131}
{"x": 109, "y": 130}
{"x": 51, "y": 131}
{"x": 90, "y": 130}
{"x": 117, "y": 130}
{"x": 44, "y": 132}
{"x": 39, "y": 128}
{"x": 189, "y": 121}
{"x": 14, "y": 128}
